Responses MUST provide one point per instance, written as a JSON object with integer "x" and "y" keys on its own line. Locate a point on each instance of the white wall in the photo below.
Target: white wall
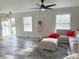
{"x": 0, "y": 29}
{"x": 48, "y": 19}
{"x": 44, "y": 16}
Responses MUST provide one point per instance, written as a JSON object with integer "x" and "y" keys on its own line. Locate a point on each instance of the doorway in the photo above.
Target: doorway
{"x": 8, "y": 27}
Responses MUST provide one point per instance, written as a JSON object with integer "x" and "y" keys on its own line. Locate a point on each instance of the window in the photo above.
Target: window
{"x": 27, "y": 21}
{"x": 63, "y": 21}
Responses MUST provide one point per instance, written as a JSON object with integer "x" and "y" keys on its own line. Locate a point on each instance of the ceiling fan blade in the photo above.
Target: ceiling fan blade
{"x": 50, "y": 5}
{"x": 38, "y": 4}
{"x": 42, "y": 1}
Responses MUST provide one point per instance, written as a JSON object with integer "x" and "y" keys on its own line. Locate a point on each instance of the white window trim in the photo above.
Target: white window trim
{"x": 64, "y": 23}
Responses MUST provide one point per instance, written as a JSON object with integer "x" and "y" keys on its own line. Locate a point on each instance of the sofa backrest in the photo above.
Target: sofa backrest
{"x": 62, "y": 31}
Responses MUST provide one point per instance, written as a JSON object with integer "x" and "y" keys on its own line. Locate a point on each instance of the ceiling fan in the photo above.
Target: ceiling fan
{"x": 42, "y": 7}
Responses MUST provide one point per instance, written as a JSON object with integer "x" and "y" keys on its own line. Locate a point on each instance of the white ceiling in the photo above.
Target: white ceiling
{"x": 16, "y": 6}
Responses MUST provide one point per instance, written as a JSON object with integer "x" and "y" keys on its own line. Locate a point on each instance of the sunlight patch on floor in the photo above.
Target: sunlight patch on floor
{"x": 23, "y": 51}
{"x": 9, "y": 57}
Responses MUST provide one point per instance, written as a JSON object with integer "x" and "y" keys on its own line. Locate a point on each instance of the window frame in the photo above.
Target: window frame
{"x": 64, "y": 22}
{"x": 27, "y": 24}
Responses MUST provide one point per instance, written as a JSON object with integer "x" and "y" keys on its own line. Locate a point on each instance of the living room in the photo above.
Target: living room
{"x": 25, "y": 40}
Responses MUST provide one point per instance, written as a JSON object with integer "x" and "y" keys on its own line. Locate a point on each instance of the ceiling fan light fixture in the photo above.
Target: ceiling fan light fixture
{"x": 42, "y": 9}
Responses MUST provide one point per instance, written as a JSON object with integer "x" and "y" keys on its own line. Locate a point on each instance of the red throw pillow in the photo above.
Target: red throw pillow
{"x": 53, "y": 35}
{"x": 71, "y": 33}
